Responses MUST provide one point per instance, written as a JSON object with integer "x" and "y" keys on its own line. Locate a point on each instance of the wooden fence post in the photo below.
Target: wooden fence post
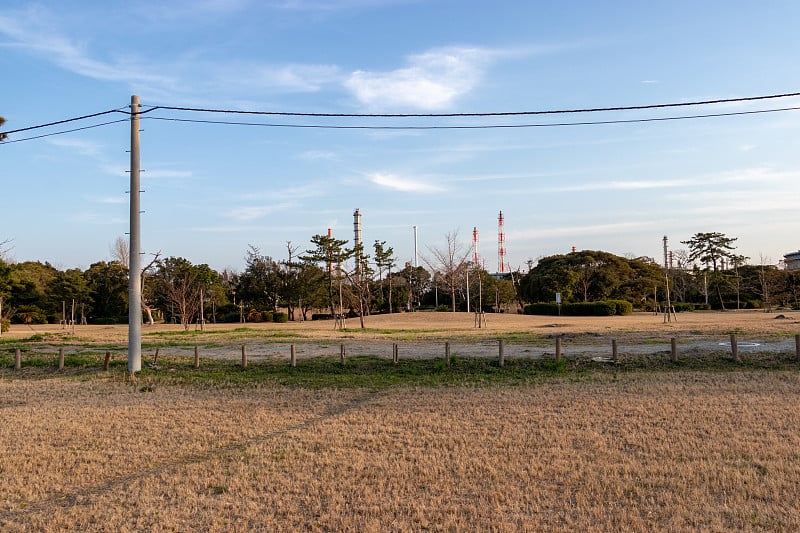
{"x": 797, "y": 347}
{"x": 342, "y": 353}
{"x": 61, "y": 358}
{"x": 395, "y": 354}
{"x": 501, "y": 348}
{"x": 673, "y": 354}
{"x": 154, "y": 364}
{"x": 447, "y": 353}
{"x": 292, "y": 356}
{"x": 196, "y": 357}
{"x": 734, "y": 348}
{"x": 614, "y": 350}
{"x": 17, "y": 359}
{"x": 558, "y": 348}
{"x": 106, "y": 361}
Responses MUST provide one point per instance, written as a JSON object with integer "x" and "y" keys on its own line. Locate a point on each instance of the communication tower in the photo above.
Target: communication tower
{"x": 501, "y": 245}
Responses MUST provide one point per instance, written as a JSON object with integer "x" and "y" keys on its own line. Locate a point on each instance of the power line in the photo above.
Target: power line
{"x": 474, "y": 127}
{"x": 63, "y": 131}
{"x": 84, "y": 117}
{"x": 491, "y": 114}
{"x": 418, "y": 115}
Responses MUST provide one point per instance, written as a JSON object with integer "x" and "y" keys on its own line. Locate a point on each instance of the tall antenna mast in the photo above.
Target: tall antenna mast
{"x": 501, "y": 245}
{"x": 669, "y": 312}
{"x": 357, "y": 235}
{"x": 416, "y": 255}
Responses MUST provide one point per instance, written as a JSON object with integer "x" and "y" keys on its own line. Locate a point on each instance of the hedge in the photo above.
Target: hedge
{"x": 598, "y": 308}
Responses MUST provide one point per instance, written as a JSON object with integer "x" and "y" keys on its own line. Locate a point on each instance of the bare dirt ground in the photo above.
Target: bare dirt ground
{"x": 423, "y": 334}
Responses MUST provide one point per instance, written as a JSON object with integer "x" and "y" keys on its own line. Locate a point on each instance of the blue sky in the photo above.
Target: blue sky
{"x": 211, "y": 189}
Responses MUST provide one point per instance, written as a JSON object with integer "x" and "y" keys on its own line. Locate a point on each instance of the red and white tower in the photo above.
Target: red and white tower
{"x": 475, "y": 257}
{"x": 501, "y": 245}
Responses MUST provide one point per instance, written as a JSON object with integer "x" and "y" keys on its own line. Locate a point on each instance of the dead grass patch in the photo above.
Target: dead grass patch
{"x": 679, "y": 451}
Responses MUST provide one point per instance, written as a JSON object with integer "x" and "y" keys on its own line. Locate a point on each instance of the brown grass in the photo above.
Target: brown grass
{"x": 682, "y": 451}
{"x": 678, "y": 452}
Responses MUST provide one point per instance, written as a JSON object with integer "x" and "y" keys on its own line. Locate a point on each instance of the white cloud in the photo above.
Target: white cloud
{"x": 431, "y": 80}
{"x": 398, "y": 183}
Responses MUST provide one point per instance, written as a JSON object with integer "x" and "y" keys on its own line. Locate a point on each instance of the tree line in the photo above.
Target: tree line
{"x": 332, "y": 279}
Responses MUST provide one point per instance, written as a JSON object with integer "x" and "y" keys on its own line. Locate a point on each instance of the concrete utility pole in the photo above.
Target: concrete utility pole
{"x": 135, "y": 248}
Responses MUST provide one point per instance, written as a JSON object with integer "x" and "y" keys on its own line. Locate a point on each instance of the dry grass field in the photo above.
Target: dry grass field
{"x": 686, "y": 450}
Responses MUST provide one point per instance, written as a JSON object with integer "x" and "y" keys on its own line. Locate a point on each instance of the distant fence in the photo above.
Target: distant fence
{"x": 612, "y": 355}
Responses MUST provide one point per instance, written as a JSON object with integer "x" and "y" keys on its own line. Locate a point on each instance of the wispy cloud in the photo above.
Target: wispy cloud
{"x": 581, "y": 231}
{"x": 399, "y": 183}
{"x": 36, "y": 31}
{"x": 248, "y": 213}
{"x": 171, "y": 174}
{"x": 314, "y": 155}
{"x": 112, "y": 200}
{"x": 80, "y": 146}
{"x": 97, "y": 219}
{"x": 310, "y": 190}
{"x": 747, "y": 175}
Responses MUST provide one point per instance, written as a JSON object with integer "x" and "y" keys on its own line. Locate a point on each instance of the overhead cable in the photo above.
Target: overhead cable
{"x": 492, "y": 114}
{"x": 473, "y": 127}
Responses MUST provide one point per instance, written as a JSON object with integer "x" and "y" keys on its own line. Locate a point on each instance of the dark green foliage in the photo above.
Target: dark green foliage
{"x": 280, "y": 317}
{"x": 599, "y": 308}
{"x": 588, "y": 276}
{"x": 443, "y": 308}
{"x": 622, "y": 307}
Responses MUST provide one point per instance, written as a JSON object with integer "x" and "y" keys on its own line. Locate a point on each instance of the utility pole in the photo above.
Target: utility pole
{"x": 135, "y": 259}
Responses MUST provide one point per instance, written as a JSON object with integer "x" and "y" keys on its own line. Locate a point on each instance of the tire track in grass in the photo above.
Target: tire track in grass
{"x": 64, "y": 500}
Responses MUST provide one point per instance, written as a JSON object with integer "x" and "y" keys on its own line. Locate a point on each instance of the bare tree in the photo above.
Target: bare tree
{"x": 145, "y": 303}
{"x": 119, "y": 252}
{"x": 451, "y": 264}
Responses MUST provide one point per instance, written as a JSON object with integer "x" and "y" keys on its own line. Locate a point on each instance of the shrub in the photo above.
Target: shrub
{"x": 321, "y": 316}
{"x": 622, "y": 307}
{"x": 30, "y": 314}
{"x": 5, "y": 324}
{"x": 107, "y": 320}
{"x": 443, "y": 308}
{"x": 267, "y": 316}
{"x": 541, "y": 308}
{"x": 280, "y": 317}
{"x": 598, "y": 308}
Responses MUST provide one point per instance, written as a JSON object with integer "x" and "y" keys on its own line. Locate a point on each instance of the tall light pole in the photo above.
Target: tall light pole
{"x": 135, "y": 257}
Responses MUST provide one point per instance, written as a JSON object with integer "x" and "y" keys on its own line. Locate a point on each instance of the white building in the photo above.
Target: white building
{"x": 792, "y": 260}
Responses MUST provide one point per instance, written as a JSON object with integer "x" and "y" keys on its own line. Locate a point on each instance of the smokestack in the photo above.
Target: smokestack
{"x": 475, "y": 256}
{"x": 574, "y": 249}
